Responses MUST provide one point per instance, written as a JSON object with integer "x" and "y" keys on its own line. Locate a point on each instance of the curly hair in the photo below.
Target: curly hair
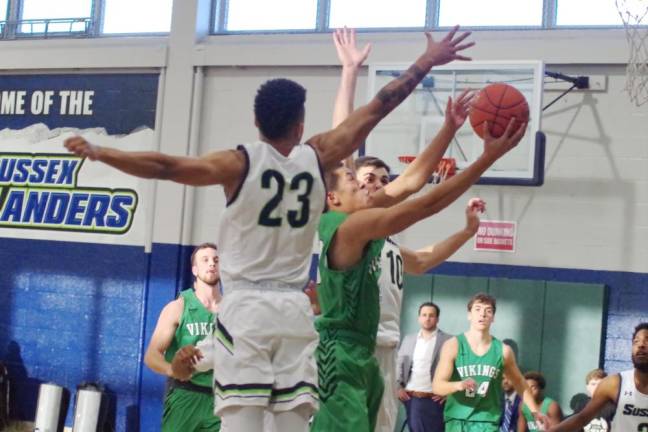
{"x": 278, "y": 106}
{"x": 537, "y": 377}
{"x": 641, "y": 326}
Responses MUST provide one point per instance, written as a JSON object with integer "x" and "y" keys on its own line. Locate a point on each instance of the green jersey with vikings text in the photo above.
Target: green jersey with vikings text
{"x": 532, "y": 424}
{"x": 195, "y": 324}
{"x": 485, "y": 403}
{"x": 349, "y": 299}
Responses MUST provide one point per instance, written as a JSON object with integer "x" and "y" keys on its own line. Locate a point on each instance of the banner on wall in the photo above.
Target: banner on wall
{"x": 496, "y": 236}
{"x": 48, "y": 193}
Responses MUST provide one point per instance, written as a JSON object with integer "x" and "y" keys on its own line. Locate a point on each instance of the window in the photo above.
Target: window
{"x": 512, "y": 13}
{"x": 3, "y": 10}
{"x": 377, "y": 13}
{"x": 587, "y": 13}
{"x": 246, "y": 15}
{"x": 39, "y": 11}
{"x": 141, "y": 16}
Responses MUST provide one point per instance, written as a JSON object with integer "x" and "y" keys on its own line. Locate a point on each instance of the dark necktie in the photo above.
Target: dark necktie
{"x": 508, "y": 415}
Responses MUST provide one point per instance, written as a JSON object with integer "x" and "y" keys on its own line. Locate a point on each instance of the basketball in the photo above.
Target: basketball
{"x": 496, "y": 104}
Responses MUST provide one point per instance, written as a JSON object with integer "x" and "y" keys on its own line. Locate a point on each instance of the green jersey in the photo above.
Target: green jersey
{"x": 485, "y": 403}
{"x": 195, "y": 324}
{"x": 349, "y": 299}
{"x": 530, "y": 420}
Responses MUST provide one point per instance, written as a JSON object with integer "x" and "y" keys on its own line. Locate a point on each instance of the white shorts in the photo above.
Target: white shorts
{"x": 388, "y": 411}
{"x": 264, "y": 345}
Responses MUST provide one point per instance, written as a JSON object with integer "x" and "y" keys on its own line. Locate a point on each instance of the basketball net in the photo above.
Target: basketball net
{"x": 634, "y": 14}
{"x": 446, "y": 168}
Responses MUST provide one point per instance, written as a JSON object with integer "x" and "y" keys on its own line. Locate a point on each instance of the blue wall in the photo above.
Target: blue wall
{"x": 74, "y": 312}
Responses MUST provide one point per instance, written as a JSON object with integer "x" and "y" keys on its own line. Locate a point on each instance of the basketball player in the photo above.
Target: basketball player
{"x": 374, "y": 174}
{"x": 353, "y": 235}
{"x": 470, "y": 371}
{"x": 628, "y": 390}
{"x": 275, "y": 195}
{"x": 549, "y": 407}
{"x": 189, "y": 401}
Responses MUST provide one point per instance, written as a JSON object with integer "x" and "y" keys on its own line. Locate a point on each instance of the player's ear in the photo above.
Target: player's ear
{"x": 194, "y": 270}
{"x": 332, "y": 199}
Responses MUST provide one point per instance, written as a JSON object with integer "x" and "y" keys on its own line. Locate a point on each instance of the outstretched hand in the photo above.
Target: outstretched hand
{"x": 183, "y": 363}
{"x": 347, "y": 51}
{"x": 457, "y": 110}
{"x": 311, "y": 292}
{"x": 496, "y": 147}
{"x": 80, "y": 147}
{"x": 448, "y": 48}
{"x": 474, "y": 207}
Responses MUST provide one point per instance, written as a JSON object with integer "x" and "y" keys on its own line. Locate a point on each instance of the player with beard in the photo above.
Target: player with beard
{"x": 189, "y": 401}
{"x": 628, "y": 390}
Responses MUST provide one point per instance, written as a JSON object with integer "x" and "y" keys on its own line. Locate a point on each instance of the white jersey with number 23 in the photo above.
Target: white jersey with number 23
{"x": 268, "y": 228}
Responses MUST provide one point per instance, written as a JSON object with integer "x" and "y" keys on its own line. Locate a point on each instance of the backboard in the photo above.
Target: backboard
{"x": 411, "y": 126}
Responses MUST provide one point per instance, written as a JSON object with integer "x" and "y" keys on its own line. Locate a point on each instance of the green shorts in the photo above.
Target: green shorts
{"x": 350, "y": 387}
{"x": 189, "y": 411}
{"x": 470, "y": 426}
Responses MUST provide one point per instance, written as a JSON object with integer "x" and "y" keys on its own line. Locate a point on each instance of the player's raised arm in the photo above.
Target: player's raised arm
{"x": 223, "y": 167}
{"x": 351, "y": 59}
{"x": 417, "y": 174}
{"x": 605, "y": 392}
{"x": 366, "y": 225}
{"x": 334, "y": 146}
{"x": 422, "y": 260}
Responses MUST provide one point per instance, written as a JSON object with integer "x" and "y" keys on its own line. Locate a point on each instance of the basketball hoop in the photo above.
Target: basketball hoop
{"x": 446, "y": 168}
{"x": 634, "y": 14}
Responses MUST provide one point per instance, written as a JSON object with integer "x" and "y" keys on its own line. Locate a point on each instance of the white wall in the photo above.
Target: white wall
{"x": 590, "y": 214}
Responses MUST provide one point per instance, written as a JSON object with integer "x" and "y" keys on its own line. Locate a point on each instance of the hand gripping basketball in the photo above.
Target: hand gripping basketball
{"x": 497, "y": 104}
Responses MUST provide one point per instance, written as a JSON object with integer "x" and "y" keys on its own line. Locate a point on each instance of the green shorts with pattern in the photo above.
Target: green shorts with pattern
{"x": 189, "y": 411}
{"x": 350, "y": 387}
{"x": 470, "y": 426}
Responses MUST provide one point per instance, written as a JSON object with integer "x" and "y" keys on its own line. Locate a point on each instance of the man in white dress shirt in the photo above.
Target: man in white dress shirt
{"x": 418, "y": 356}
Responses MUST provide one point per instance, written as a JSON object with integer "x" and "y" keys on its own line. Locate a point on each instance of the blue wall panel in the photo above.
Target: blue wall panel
{"x": 73, "y": 312}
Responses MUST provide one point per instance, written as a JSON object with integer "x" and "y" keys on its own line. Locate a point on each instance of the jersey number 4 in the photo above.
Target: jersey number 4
{"x": 296, "y": 218}
{"x": 481, "y": 391}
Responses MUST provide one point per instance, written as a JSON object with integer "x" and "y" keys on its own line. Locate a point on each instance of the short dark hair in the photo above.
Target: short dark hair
{"x": 537, "y": 377}
{"x": 641, "y": 326}
{"x": 331, "y": 177}
{"x": 483, "y": 298}
{"x": 278, "y": 106}
{"x": 371, "y": 161}
{"x": 595, "y": 374}
{"x": 201, "y": 247}
{"x": 430, "y": 304}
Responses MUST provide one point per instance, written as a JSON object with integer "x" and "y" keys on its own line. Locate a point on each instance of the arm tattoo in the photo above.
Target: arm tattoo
{"x": 397, "y": 90}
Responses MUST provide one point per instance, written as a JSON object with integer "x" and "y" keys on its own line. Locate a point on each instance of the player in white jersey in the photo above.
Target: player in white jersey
{"x": 264, "y": 355}
{"x": 374, "y": 174}
{"x": 628, "y": 390}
